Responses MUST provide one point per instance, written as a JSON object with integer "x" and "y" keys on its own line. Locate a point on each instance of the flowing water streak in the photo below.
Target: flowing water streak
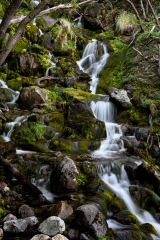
{"x": 53, "y": 65}
{"x": 9, "y": 127}
{"x": 106, "y": 111}
{"x": 93, "y": 60}
{"x": 120, "y": 186}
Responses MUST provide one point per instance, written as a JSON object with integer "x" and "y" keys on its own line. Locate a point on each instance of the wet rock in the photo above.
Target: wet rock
{"x": 154, "y": 151}
{"x": 125, "y": 217}
{"x": 49, "y": 21}
{"x": 147, "y": 227}
{"x": 149, "y": 176}
{"x": 73, "y": 234}
{"x": 15, "y": 226}
{"x": 9, "y": 217}
{"x": 84, "y": 237}
{"x": 40, "y": 237}
{"x": 82, "y": 121}
{"x": 7, "y": 148}
{"x": 29, "y": 65}
{"x": 62, "y": 209}
{"x": 32, "y": 221}
{"x": 88, "y": 216}
{"x": 145, "y": 198}
{"x": 59, "y": 237}
{"x": 142, "y": 134}
{"x": 31, "y": 97}
{"x": 63, "y": 178}
{"x": 120, "y": 97}
{"x": 130, "y": 234}
{"x": 97, "y": 16}
{"x": 51, "y": 226}
{"x": 1, "y": 233}
{"x": 130, "y": 168}
{"x": 25, "y": 211}
{"x": 131, "y": 144}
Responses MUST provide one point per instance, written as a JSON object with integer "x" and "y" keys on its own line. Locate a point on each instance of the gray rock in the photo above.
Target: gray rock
{"x": 1, "y": 233}
{"x": 62, "y": 209}
{"x": 59, "y": 237}
{"x": 64, "y": 176}
{"x": 51, "y": 226}
{"x": 90, "y": 217}
{"x": 31, "y": 97}
{"x": 142, "y": 133}
{"x": 40, "y": 237}
{"x": 120, "y": 97}
{"x": 28, "y": 64}
{"x": 25, "y": 211}
{"x": 32, "y": 221}
{"x": 9, "y": 217}
{"x": 15, "y": 226}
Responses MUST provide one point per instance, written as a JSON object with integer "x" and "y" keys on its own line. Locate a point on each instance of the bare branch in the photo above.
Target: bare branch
{"x": 155, "y": 17}
{"x": 136, "y": 12}
{"x": 143, "y": 10}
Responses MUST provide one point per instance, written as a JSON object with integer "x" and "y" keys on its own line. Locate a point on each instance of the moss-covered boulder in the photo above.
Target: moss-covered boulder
{"x": 145, "y": 198}
{"x": 82, "y": 120}
{"x": 61, "y": 145}
{"x": 126, "y": 217}
{"x": 31, "y": 97}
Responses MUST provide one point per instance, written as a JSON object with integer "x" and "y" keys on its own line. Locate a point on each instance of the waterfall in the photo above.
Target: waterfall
{"x": 106, "y": 111}
{"x": 53, "y": 65}
{"x": 93, "y": 60}
{"x": 9, "y": 127}
{"x": 120, "y": 186}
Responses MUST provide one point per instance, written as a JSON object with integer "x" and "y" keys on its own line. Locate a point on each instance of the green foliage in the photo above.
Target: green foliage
{"x": 37, "y": 129}
{"x": 81, "y": 179}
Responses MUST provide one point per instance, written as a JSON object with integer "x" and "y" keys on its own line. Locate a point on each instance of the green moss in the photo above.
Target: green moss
{"x": 116, "y": 205}
{"x": 83, "y": 146}
{"x": 31, "y": 32}
{"x": 126, "y": 217}
{"x": 55, "y": 120}
{"x": 81, "y": 179}
{"x": 21, "y": 44}
{"x": 37, "y": 129}
{"x": 112, "y": 74}
{"x": 70, "y": 93}
{"x": 147, "y": 227}
{"x": 60, "y": 145}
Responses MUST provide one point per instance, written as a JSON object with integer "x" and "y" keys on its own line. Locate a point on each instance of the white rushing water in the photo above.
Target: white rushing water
{"x": 53, "y": 65}
{"x": 120, "y": 186}
{"x": 94, "y": 58}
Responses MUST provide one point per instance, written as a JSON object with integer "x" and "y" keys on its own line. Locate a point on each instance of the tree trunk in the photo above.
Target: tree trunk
{"x": 14, "y": 6}
{"x": 30, "y": 187}
{"x": 5, "y": 52}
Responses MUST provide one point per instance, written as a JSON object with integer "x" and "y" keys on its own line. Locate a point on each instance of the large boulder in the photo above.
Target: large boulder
{"x": 29, "y": 65}
{"x": 98, "y": 16}
{"x": 63, "y": 177}
{"x": 62, "y": 209}
{"x": 89, "y": 217}
{"x": 82, "y": 121}
{"x": 120, "y": 97}
{"x": 51, "y": 226}
{"x": 30, "y": 97}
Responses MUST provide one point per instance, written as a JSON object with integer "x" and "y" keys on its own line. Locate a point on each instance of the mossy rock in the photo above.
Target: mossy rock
{"x": 31, "y": 32}
{"x": 38, "y": 147}
{"x": 70, "y": 93}
{"x": 147, "y": 227}
{"x": 83, "y": 145}
{"x": 126, "y": 217}
{"x": 61, "y": 145}
{"x": 116, "y": 205}
{"x": 55, "y": 120}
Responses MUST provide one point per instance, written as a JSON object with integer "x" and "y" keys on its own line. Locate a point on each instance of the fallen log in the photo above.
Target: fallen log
{"x": 39, "y": 80}
{"x": 32, "y": 189}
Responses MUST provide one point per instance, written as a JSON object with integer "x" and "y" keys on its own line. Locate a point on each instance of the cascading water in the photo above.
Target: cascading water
{"x": 120, "y": 186}
{"x": 93, "y": 60}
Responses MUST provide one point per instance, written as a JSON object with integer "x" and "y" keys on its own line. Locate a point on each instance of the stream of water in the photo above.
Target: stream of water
{"x": 94, "y": 58}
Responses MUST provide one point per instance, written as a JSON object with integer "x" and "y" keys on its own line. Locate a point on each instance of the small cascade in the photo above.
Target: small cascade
{"x": 53, "y": 65}
{"x": 42, "y": 181}
{"x": 9, "y": 127}
{"x": 106, "y": 111}
{"x": 12, "y": 95}
{"x": 93, "y": 60}
{"x": 78, "y": 21}
{"x": 116, "y": 178}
